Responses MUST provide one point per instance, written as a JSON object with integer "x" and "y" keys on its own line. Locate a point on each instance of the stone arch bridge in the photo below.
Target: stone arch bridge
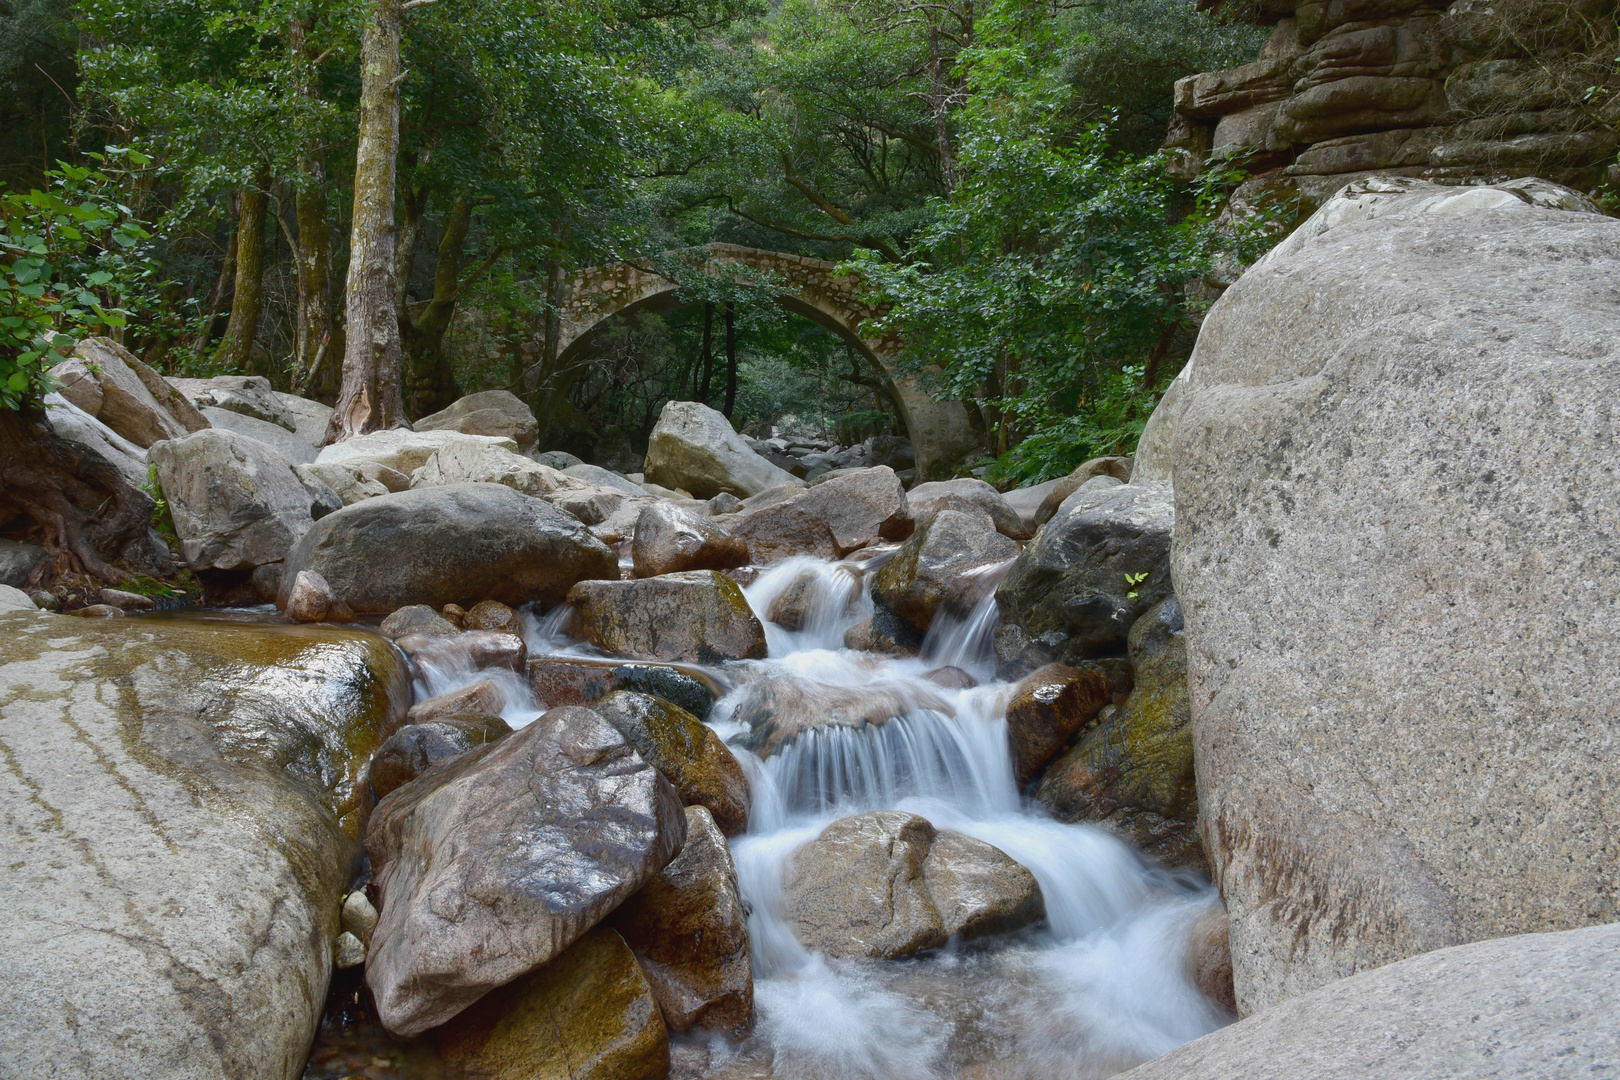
{"x": 941, "y": 432}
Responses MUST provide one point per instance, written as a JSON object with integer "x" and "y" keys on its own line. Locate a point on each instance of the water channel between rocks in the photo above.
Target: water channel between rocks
{"x": 1100, "y": 986}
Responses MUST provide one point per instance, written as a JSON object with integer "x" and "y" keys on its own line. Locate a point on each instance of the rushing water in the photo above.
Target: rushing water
{"x": 1101, "y": 986}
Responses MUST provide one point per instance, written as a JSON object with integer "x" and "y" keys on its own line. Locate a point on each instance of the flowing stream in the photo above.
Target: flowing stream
{"x": 1100, "y": 986}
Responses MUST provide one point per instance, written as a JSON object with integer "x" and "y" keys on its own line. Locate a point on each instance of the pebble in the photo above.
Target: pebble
{"x": 351, "y": 952}
{"x": 359, "y": 917}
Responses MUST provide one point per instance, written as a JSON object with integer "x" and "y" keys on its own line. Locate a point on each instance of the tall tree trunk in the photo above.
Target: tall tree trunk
{"x": 433, "y": 384}
{"x": 236, "y": 351}
{"x": 708, "y": 353}
{"x": 314, "y": 323}
{"x": 942, "y": 134}
{"x": 227, "y": 276}
{"x": 370, "y": 398}
{"x": 413, "y": 207}
{"x": 731, "y": 359}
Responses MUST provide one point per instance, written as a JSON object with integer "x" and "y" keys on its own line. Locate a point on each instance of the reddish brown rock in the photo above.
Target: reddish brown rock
{"x": 482, "y": 698}
{"x": 669, "y": 540}
{"x": 1050, "y": 706}
{"x": 492, "y": 615}
{"x": 783, "y": 530}
{"x": 416, "y": 748}
{"x": 1209, "y": 958}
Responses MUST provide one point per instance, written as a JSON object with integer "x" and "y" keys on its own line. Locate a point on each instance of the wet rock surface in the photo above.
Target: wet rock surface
{"x": 1134, "y": 769}
{"x": 418, "y": 746}
{"x": 503, "y": 857}
{"x": 698, "y": 616}
{"x": 689, "y": 929}
{"x": 588, "y": 1015}
{"x": 456, "y": 544}
{"x": 1048, "y": 708}
{"x": 691, "y": 756}
{"x": 936, "y": 567}
{"x": 867, "y": 887}
{"x": 564, "y": 681}
{"x": 216, "y": 746}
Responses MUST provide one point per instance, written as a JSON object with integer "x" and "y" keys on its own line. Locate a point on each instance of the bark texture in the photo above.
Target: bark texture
{"x": 236, "y": 351}
{"x": 312, "y": 346}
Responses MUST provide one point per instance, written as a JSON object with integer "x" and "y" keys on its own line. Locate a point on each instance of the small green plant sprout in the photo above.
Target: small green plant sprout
{"x": 1133, "y": 582}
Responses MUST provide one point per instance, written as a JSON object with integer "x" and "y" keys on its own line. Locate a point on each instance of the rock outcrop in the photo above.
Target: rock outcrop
{"x": 236, "y": 503}
{"x": 698, "y": 616}
{"x": 181, "y": 802}
{"x": 295, "y": 450}
{"x": 695, "y": 448}
{"x": 1467, "y": 92}
{"x": 445, "y": 545}
{"x": 1402, "y": 628}
{"x": 689, "y": 928}
{"x": 497, "y": 861}
{"x": 1538, "y": 1005}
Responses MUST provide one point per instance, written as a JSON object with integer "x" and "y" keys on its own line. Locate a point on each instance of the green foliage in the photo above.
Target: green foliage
{"x": 77, "y": 266}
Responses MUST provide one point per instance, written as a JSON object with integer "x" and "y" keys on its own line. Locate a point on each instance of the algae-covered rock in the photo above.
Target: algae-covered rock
{"x": 677, "y": 744}
{"x": 181, "y": 803}
{"x": 1134, "y": 769}
{"x": 587, "y": 1015}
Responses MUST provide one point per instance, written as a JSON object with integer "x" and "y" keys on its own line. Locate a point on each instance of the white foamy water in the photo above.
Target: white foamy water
{"x": 1100, "y": 986}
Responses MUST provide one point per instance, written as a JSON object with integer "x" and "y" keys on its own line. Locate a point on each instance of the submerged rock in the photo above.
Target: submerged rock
{"x": 588, "y": 1015}
{"x": 695, "y": 448}
{"x": 1134, "y": 769}
{"x": 669, "y": 540}
{"x": 689, "y": 929}
{"x": 146, "y": 758}
{"x": 502, "y": 858}
{"x": 698, "y": 616}
{"x": 454, "y": 544}
{"x": 940, "y": 566}
{"x": 871, "y": 885}
{"x": 677, "y": 744}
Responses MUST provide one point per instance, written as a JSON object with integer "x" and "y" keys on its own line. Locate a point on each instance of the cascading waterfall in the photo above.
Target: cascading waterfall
{"x": 1100, "y": 986}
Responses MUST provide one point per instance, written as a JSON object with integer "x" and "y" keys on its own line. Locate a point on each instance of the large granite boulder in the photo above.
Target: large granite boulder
{"x": 344, "y": 481}
{"x": 486, "y": 463}
{"x": 309, "y": 419}
{"x": 668, "y": 540}
{"x": 181, "y": 801}
{"x": 695, "y": 448}
{"x": 449, "y": 545}
{"x": 402, "y": 449}
{"x": 970, "y": 494}
{"x": 72, "y": 422}
{"x": 295, "y": 450}
{"x": 1134, "y": 768}
{"x": 941, "y": 566}
{"x": 496, "y": 861}
{"x": 244, "y": 395}
{"x": 1536, "y": 1006}
{"x": 698, "y": 616}
{"x": 690, "y": 755}
{"x": 782, "y": 530}
{"x": 498, "y": 413}
{"x": 1089, "y": 574}
{"x": 1098, "y": 473}
{"x": 850, "y": 511}
{"x": 590, "y": 1014}
{"x": 689, "y": 928}
{"x": 110, "y": 383}
{"x": 1402, "y": 626}
{"x": 236, "y": 503}
{"x": 887, "y": 884}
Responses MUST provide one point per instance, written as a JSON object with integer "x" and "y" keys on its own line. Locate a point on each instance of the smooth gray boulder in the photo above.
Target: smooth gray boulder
{"x": 295, "y": 450}
{"x": 1155, "y": 449}
{"x": 1403, "y": 627}
{"x": 967, "y": 493}
{"x": 113, "y": 385}
{"x": 246, "y": 395}
{"x": 180, "y": 803}
{"x": 236, "y": 503}
{"x": 1531, "y": 1007}
{"x": 449, "y": 545}
{"x": 14, "y": 599}
{"x": 499, "y": 413}
{"x": 1095, "y": 568}
{"x": 501, "y": 858}
{"x": 1026, "y": 502}
{"x": 342, "y": 480}
{"x": 72, "y": 422}
{"x": 604, "y": 478}
{"x": 557, "y": 459}
{"x": 485, "y": 463}
{"x": 17, "y": 561}
{"x": 695, "y": 448}
{"x": 309, "y": 418}
{"x": 401, "y": 449}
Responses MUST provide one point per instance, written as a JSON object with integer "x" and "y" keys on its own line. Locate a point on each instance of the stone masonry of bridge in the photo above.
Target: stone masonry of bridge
{"x": 941, "y": 432}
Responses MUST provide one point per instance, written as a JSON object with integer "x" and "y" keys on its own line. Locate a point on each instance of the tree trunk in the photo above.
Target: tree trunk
{"x": 433, "y": 384}
{"x": 314, "y": 324}
{"x": 942, "y": 133}
{"x": 227, "y": 275}
{"x": 84, "y": 511}
{"x": 236, "y": 351}
{"x": 708, "y": 353}
{"x": 731, "y": 359}
{"x": 413, "y": 204}
{"x": 370, "y": 398}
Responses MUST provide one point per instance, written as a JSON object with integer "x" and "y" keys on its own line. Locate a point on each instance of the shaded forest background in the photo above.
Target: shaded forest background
{"x": 181, "y": 172}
